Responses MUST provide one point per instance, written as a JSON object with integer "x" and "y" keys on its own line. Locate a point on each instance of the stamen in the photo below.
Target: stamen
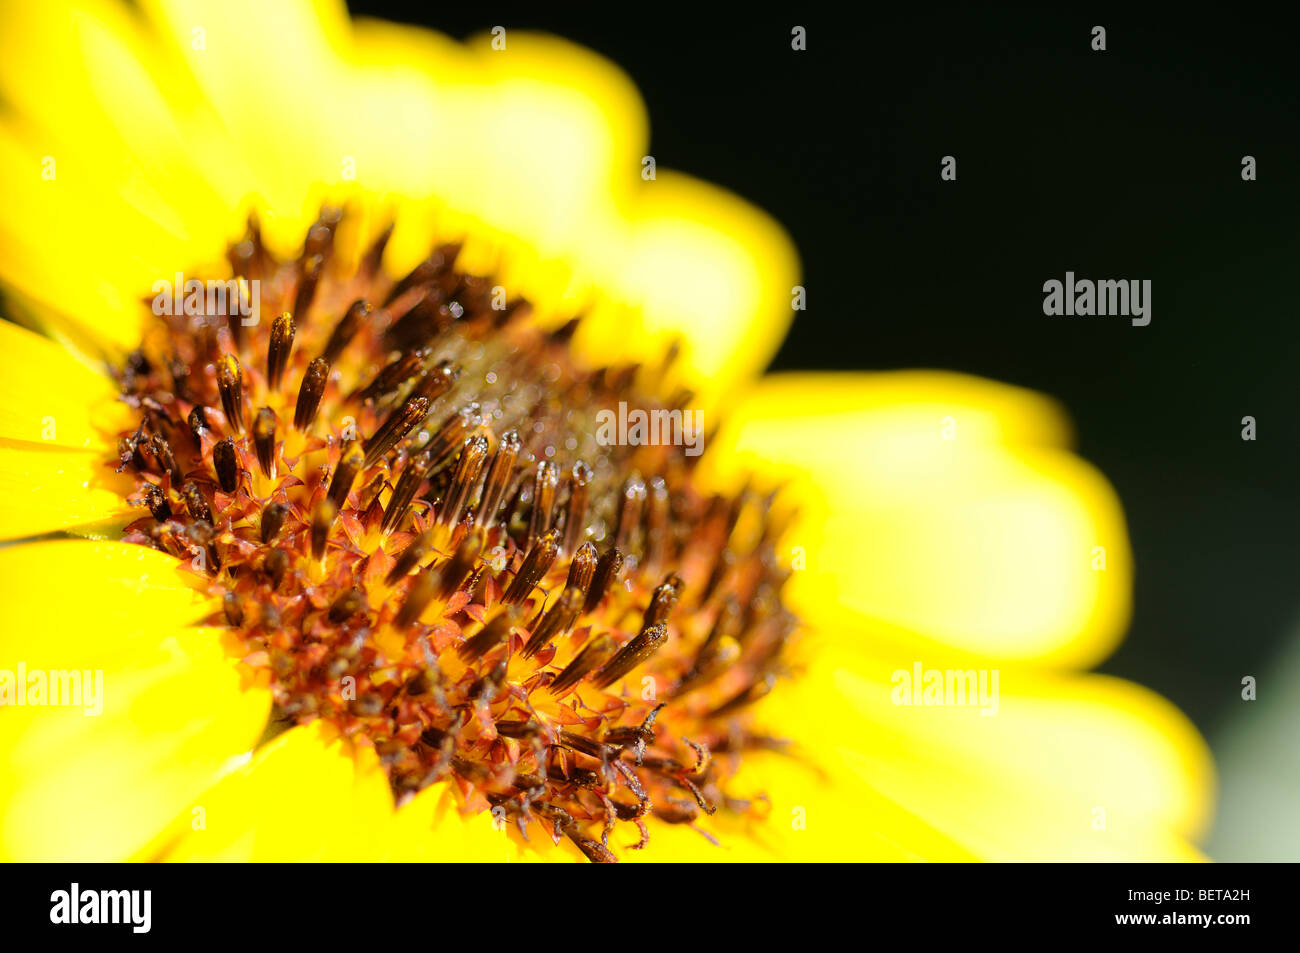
{"x": 226, "y": 463}
{"x": 230, "y": 381}
{"x": 498, "y": 480}
{"x": 472, "y": 458}
{"x": 640, "y": 648}
{"x": 264, "y": 441}
{"x": 309, "y": 394}
{"x": 593, "y": 655}
{"x": 351, "y": 322}
{"x": 279, "y": 348}
{"x": 608, "y": 569}
{"x": 535, "y": 565}
{"x": 575, "y": 518}
{"x": 273, "y": 515}
{"x": 408, "y": 485}
{"x": 311, "y": 272}
{"x": 397, "y": 426}
{"x": 346, "y": 474}
{"x": 321, "y": 521}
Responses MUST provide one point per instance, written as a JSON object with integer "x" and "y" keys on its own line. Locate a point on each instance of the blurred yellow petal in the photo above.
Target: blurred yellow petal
{"x": 104, "y": 592}
{"x": 307, "y": 795}
{"x": 1048, "y": 767}
{"x": 46, "y": 488}
{"x": 94, "y": 780}
{"x": 696, "y": 264}
{"x": 48, "y": 397}
{"x": 939, "y": 510}
{"x": 815, "y": 810}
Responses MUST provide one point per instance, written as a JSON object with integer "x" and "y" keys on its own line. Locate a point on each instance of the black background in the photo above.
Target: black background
{"x": 1123, "y": 163}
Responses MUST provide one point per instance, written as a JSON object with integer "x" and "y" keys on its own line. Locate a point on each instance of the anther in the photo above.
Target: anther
{"x": 264, "y": 441}
{"x": 534, "y": 567}
{"x": 629, "y": 512}
{"x": 453, "y": 432}
{"x": 195, "y": 504}
{"x": 321, "y": 521}
{"x": 592, "y": 656}
{"x": 656, "y": 522}
{"x": 472, "y": 457}
{"x": 156, "y": 500}
{"x": 163, "y": 451}
{"x": 279, "y": 348}
{"x": 545, "y": 483}
{"x": 575, "y": 516}
{"x": 461, "y": 563}
{"x": 307, "y": 282}
{"x": 663, "y": 600}
{"x": 273, "y": 515}
{"x": 309, "y": 394}
{"x": 496, "y": 631}
{"x": 608, "y": 569}
{"x": 555, "y": 622}
{"x": 394, "y": 374}
{"x": 226, "y": 462}
{"x": 408, "y": 485}
{"x": 348, "y": 604}
{"x": 424, "y": 586}
{"x": 275, "y": 565}
{"x": 498, "y": 480}
{"x": 357, "y": 314}
{"x": 409, "y": 559}
{"x": 345, "y": 475}
{"x": 230, "y": 382}
{"x": 198, "y": 422}
{"x": 397, "y": 426}
{"x": 374, "y": 255}
{"x": 436, "y": 381}
{"x": 233, "y": 610}
{"x": 638, "y": 650}
{"x": 582, "y": 569}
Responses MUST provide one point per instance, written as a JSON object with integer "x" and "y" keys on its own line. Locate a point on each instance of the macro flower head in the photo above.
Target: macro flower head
{"x": 352, "y": 403}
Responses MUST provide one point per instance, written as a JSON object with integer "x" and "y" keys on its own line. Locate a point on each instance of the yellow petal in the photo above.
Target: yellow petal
{"x": 696, "y": 264}
{"x": 161, "y": 707}
{"x": 48, "y": 488}
{"x": 307, "y": 795}
{"x": 814, "y": 809}
{"x": 430, "y": 827}
{"x": 48, "y": 397}
{"x": 104, "y": 591}
{"x": 939, "y": 510}
{"x": 1044, "y": 767}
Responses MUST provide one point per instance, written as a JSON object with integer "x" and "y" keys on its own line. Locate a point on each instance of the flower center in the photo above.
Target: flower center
{"x": 401, "y": 492}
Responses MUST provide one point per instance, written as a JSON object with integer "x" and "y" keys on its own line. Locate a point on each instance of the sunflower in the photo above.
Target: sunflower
{"x": 316, "y": 327}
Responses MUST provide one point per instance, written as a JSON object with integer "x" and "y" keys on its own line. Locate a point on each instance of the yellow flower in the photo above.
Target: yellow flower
{"x": 942, "y": 525}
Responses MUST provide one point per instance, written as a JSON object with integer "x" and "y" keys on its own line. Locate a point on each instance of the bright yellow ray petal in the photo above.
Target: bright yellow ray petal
{"x": 1061, "y": 767}
{"x": 307, "y": 795}
{"x": 430, "y": 828}
{"x": 48, "y": 397}
{"x": 45, "y": 488}
{"x": 97, "y": 780}
{"x": 937, "y": 507}
{"x": 815, "y": 809}
{"x": 103, "y": 592}
{"x": 696, "y": 264}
